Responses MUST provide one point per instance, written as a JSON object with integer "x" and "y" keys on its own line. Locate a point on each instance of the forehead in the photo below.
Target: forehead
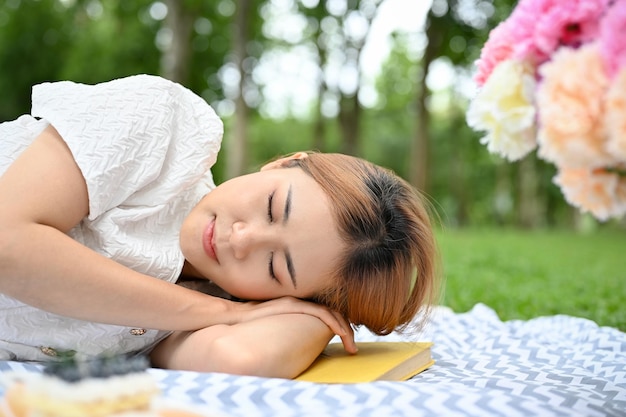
{"x": 312, "y": 235}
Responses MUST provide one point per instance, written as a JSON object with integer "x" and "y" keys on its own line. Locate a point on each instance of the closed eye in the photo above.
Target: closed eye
{"x": 270, "y": 267}
{"x": 270, "y": 198}
{"x": 270, "y": 217}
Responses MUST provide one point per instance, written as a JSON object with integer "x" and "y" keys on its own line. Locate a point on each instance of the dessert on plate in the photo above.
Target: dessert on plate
{"x": 101, "y": 387}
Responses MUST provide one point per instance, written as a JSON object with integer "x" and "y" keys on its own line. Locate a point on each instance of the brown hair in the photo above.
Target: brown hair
{"x": 388, "y": 271}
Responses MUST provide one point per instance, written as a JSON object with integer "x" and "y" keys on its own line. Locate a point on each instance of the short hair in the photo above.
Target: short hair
{"x": 388, "y": 271}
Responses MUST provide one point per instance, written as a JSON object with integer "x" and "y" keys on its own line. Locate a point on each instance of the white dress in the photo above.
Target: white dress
{"x": 145, "y": 146}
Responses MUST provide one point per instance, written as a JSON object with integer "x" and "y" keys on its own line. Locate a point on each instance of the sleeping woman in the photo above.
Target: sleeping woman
{"x": 109, "y": 212}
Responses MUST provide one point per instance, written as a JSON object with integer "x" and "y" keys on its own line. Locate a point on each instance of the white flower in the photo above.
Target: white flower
{"x": 504, "y": 109}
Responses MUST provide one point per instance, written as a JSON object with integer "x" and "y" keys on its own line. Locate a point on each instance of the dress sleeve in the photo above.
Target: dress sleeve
{"x": 132, "y": 136}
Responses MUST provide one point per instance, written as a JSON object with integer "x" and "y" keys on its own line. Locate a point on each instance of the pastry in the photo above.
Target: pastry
{"x": 104, "y": 387}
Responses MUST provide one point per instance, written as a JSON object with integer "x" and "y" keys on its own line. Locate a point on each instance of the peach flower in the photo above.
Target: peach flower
{"x": 570, "y": 105}
{"x": 615, "y": 117}
{"x": 599, "y": 192}
{"x": 504, "y": 109}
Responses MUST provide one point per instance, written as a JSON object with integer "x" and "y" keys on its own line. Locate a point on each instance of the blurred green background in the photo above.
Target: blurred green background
{"x": 387, "y": 80}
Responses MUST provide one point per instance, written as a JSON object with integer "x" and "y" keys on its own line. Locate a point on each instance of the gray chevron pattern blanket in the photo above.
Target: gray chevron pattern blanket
{"x": 547, "y": 366}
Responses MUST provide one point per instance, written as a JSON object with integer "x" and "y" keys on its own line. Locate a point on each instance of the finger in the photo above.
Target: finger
{"x": 336, "y": 323}
{"x": 347, "y": 338}
{"x": 349, "y": 344}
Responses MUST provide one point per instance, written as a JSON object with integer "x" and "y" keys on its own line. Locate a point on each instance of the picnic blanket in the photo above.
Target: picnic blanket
{"x": 547, "y": 366}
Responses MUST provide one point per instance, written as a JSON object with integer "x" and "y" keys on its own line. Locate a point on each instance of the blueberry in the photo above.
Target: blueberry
{"x": 72, "y": 369}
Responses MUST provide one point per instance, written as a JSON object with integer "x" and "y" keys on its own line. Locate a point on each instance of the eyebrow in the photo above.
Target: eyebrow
{"x": 288, "y": 259}
{"x": 287, "y": 206}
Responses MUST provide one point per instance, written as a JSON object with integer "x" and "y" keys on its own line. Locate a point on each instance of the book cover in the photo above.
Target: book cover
{"x": 375, "y": 361}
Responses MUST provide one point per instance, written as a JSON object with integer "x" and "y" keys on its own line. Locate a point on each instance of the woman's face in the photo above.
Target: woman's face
{"x": 264, "y": 235}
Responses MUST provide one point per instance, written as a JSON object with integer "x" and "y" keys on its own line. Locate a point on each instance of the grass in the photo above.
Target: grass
{"x": 523, "y": 274}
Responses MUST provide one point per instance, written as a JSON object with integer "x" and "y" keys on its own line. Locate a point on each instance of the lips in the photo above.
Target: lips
{"x": 208, "y": 241}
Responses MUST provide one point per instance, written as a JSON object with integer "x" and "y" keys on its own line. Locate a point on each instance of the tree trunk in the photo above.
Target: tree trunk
{"x": 237, "y": 156}
{"x": 350, "y": 121}
{"x": 418, "y": 166}
{"x": 530, "y": 207}
{"x": 319, "y": 129}
{"x": 350, "y": 108}
{"x": 175, "y": 60}
{"x": 503, "y": 194}
{"x": 458, "y": 179}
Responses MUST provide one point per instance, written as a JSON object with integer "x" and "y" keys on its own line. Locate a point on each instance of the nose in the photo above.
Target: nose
{"x": 246, "y": 238}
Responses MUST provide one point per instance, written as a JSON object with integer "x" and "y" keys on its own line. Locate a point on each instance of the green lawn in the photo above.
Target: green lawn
{"x": 524, "y": 274}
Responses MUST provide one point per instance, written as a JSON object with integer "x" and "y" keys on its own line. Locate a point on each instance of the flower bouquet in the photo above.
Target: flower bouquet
{"x": 552, "y": 77}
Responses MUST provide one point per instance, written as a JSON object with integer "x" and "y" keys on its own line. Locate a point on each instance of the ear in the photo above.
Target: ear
{"x": 282, "y": 162}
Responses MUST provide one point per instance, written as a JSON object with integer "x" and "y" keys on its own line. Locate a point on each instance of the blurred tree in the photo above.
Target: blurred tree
{"x": 315, "y": 15}
{"x": 108, "y": 40}
{"x": 238, "y": 143}
{"x": 455, "y": 29}
{"x": 389, "y": 124}
{"x": 242, "y": 22}
{"x": 34, "y": 43}
{"x": 215, "y": 48}
{"x": 339, "y": 34}
{"x": 470, "y": 184}
{"x": 355, "y": 24}
{"x": 194, "y": 40}
{"x": 176, "y": 54}
{"x": 49, "y": 40}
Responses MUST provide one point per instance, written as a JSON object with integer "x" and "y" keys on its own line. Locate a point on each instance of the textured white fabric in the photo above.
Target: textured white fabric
{"x": 145, "y": 146}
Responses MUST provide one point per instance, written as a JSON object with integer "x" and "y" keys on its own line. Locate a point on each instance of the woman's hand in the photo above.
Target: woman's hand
{"x": 290, "y": 305}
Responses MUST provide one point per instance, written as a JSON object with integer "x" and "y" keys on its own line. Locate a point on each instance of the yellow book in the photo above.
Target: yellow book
{"x": 375, "y": 361}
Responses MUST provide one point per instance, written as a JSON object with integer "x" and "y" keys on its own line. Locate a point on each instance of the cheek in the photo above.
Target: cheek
{"x": 250, "y": 292}
{"x": 241, "y": 282}
{"x": 206, "y": 202}
{"x": 189, "y": 239}
{"x": 231, "y": 197}
{"x": 252, "y": 288}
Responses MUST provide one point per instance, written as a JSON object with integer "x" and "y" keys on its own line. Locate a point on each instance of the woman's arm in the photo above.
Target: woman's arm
{"x": 279, "y": 346}
{"x": 42, "y": 196}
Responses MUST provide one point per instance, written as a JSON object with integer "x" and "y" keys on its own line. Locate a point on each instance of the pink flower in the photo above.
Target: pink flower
{"x": 556, "y": 23}
{"x": 615, "y": 117}
{"x": 613, "y": 37}
{"x": 537, "y": 28}
{"x": 570, "y": 105}
{"x": 600, "y": 192}
{"x": 498, "y": 48}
